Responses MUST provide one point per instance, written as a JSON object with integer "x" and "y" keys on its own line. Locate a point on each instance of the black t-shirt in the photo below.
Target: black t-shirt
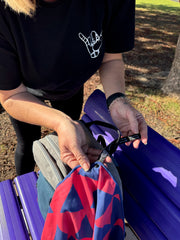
{"x": 62, "y": 46}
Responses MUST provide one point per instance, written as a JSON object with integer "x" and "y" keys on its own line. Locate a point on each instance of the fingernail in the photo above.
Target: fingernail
{"x": 85, "y": 166}
{"x": 145, "y": 143}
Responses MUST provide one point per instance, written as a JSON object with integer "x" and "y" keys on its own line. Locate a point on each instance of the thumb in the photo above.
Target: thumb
{"x": 83, "y": 38}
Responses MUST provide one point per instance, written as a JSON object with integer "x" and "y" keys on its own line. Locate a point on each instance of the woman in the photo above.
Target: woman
{"x": 48, "y": 50}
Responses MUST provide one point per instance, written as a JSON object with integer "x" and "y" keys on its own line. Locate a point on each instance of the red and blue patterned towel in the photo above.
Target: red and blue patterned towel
{"x": 86, "y": 205}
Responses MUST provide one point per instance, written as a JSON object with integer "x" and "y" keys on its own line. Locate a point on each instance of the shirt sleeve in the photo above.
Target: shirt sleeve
{"x": 120, "y": 26}
{"x": 10, "y": 77}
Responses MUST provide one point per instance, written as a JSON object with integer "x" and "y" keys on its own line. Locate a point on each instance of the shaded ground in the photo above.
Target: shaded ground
{"x": 147, "y": 66}
{"x": 156, "y": 38}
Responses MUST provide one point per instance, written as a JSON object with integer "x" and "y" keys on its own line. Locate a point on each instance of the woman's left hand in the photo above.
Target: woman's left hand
{"x": 128, "y": 120}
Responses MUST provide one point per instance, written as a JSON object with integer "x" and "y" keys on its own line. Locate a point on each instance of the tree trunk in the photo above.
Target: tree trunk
{"x": 172, "y": 83}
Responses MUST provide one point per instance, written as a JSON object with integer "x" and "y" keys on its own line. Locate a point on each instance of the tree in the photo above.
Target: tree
{"x": 172, "y": 83}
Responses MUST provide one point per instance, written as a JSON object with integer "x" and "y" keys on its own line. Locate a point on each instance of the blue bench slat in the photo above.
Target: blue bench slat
{"x": 159, "y": 160}
{"x": 140, "y": 222}
{"x": 156, "y": 205}
{"x": 12, "y": 226}
{"x": 26, "y": 187}
{"x": 96, "y": 108}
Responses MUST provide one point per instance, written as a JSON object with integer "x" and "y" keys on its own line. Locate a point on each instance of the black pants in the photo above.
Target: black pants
{"x": 27, "y": 133}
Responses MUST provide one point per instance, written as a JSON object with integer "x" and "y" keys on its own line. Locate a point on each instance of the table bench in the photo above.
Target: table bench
{"x": 21, "y": 215}
{"x": 150, "y": 177}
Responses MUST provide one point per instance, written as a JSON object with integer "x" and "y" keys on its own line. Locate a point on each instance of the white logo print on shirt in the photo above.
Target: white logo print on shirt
{"x": 93, "y": 43}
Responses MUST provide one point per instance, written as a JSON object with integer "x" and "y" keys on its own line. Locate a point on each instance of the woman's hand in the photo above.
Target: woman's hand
{"x": 128, "y": 120}
{"x": 77, "y": 146}
{"x": 125, "y": 117}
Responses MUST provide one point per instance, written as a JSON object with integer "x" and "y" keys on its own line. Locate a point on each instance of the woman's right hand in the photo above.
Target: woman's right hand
{"x": 77, "y": 145}
{"x": 74, "y": 142}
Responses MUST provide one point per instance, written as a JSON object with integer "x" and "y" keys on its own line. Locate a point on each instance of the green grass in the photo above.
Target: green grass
{"x": 167, "y": 6}
{"x": 161, "y": 112}
{"x": 2, "y": 147}
{"x": 161, "y": 19}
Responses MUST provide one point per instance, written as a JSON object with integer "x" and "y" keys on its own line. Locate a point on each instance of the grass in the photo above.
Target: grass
{"x": 161, "y": 112}
{"x": 166, "y": 6}
{"x": 157, "y": 22}
{"x": 154, "y": 99}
